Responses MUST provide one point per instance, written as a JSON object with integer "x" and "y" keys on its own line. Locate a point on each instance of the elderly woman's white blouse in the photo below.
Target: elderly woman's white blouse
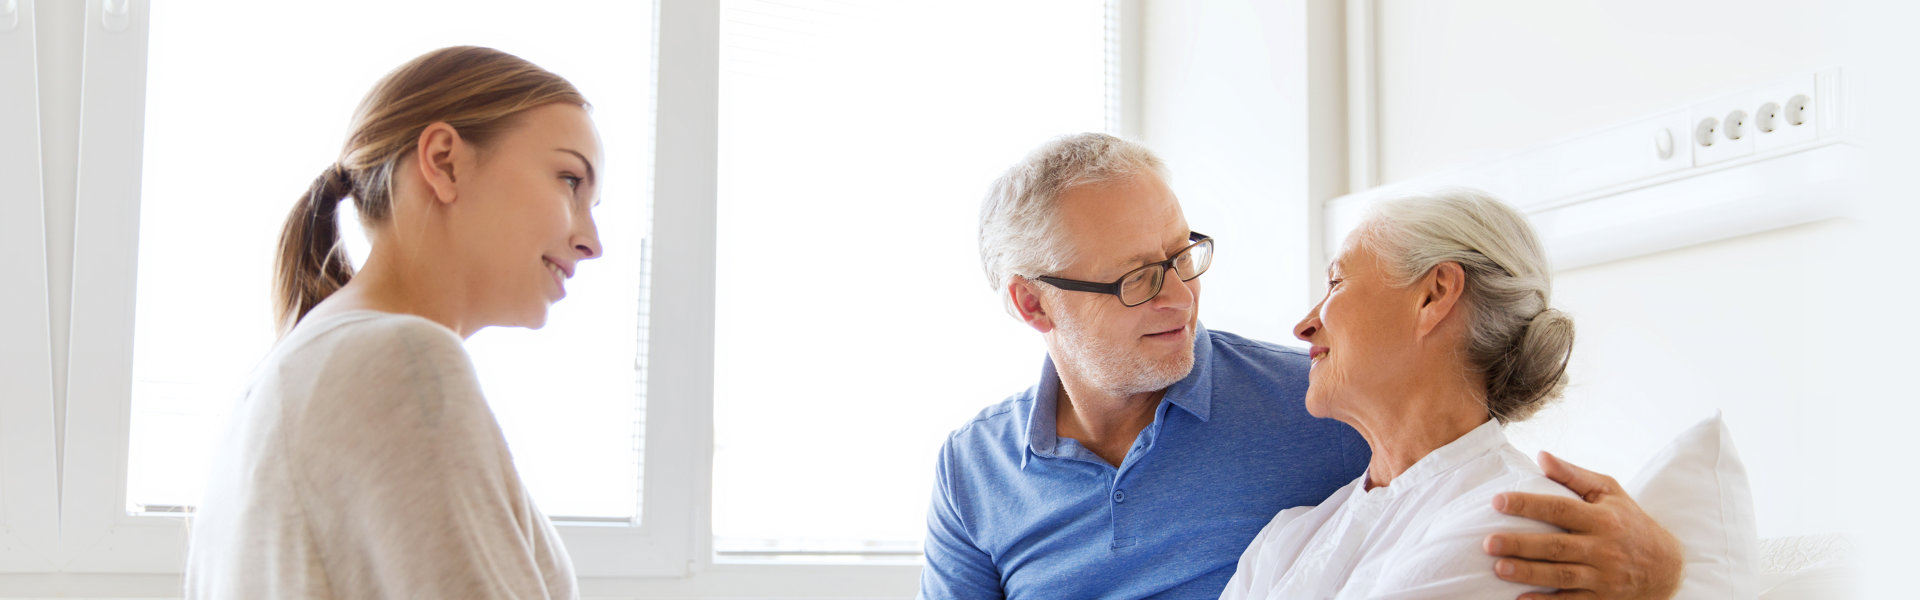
{"x": 1422, "y": 536}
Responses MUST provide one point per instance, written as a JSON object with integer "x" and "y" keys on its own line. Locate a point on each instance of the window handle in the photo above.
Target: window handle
{"x": 114, "y": 14}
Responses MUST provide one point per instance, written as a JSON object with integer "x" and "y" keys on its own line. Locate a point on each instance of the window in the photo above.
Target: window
{"x": 202, "y": 123}
{"x": 854, "y": 327}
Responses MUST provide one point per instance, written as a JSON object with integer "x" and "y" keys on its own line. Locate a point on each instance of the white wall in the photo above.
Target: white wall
{"x": 1666, "y": 338}
{"x": 1244, "y": 101}
{"x": 1877, "y": 395}
{"x": 1462, "y": 80}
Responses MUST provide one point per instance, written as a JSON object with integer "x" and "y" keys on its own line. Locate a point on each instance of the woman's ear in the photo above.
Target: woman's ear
{"x": 434, "y": 156}
{"x": 1441, "y": 291}
{"x": 1027, "y": 305}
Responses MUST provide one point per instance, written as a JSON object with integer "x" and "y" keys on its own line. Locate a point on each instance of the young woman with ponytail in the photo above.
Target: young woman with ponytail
{"x": 363, "y": 461}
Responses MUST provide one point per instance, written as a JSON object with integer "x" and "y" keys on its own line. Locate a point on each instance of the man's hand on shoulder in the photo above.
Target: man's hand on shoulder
{"x": 1612, "y": 548}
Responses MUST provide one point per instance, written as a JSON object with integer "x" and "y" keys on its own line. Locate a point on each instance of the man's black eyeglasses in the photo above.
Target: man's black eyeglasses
{"x": 1140, "y": 285}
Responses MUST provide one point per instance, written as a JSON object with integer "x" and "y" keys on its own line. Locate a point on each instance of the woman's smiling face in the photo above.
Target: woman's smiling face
{"x": 529, "y": 221}
{"x": 1359, "y": 332}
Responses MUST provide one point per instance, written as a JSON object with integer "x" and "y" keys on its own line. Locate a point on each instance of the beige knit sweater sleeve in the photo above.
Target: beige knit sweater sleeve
{"x": 368, "y": 465}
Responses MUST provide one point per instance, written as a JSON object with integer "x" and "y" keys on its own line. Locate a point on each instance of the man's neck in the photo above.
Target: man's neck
{"x": 1106, "y": 423}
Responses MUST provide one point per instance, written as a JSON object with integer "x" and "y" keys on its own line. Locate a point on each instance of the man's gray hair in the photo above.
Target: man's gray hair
{"x": 1514, "y": 337}
{"x": 1019, "y": 224}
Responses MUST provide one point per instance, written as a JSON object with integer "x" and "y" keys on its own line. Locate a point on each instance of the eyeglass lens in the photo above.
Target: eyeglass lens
{"x": 1144, "y": 283}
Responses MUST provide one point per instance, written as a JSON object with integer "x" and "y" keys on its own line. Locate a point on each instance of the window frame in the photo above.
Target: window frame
{"x": 28, "y": 492}
{"x": 669, "y": 552}
{"x": 95, "y": 533}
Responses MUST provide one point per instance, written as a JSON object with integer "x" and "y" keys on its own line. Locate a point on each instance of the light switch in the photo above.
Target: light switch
{"x": 1663, "y": 143}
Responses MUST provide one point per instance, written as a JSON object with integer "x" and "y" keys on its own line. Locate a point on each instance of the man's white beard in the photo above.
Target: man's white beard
{"x": 1115, "y": 368}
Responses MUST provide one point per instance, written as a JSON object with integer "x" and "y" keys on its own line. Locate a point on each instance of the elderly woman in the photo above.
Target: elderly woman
{"x": 1435, "y": 333}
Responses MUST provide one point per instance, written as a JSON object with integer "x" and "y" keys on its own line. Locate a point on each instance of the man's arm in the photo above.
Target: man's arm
{"x": 956, "y": 568}
{"x": 1612, "y": 548}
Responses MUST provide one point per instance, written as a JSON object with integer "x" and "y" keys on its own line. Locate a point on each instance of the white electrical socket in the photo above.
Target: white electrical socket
{"x": 1797, "y": 110}
{"x": 1769, "y": 118}
{"x": 1735, "y": 126}
{"x": 1707, "y": 132}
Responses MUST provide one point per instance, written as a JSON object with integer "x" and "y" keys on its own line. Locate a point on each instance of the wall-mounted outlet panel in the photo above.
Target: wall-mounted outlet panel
{"x": 1781, "y": 114}
{"x": 1758, "y": 158}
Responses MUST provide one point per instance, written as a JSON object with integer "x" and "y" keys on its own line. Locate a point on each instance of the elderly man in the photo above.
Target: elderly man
{"x": 1152, "y": 450}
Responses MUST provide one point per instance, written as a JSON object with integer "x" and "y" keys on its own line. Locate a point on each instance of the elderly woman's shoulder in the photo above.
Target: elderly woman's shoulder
{"x": 1445, "y": 538}
{"x": 1503, "y": 470}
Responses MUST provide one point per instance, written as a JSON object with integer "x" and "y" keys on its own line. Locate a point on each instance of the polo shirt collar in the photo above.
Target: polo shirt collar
{"x": 1193, "y": 393}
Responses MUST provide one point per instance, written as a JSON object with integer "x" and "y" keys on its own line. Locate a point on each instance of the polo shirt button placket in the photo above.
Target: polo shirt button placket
{"x": 1119, "y": 496}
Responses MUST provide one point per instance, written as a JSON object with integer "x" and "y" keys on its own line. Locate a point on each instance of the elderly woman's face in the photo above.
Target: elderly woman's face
{"x": 1359, "y": 332}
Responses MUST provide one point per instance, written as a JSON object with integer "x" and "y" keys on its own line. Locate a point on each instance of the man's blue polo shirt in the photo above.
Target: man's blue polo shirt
{"x": 1019, "y": 512}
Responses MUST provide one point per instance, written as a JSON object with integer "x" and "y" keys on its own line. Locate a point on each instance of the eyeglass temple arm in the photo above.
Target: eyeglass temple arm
{"x": 1081, "y": 286}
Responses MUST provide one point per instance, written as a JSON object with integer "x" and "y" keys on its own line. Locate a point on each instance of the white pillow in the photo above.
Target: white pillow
{"x": 1821, "y": 582}
{"x": 1697, "y": 488}
{"x": 1808, "y": 567}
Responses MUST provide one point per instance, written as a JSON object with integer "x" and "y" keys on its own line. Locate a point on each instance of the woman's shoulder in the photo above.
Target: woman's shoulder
{"x": 1440, "y": 554}
{"x": 357, "y": 326}
{"x": 368, "y": 361}
{"x": 1504, "y": 469}
{"x": 1521, "y": 474}
{"x": 364, "y": 340}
